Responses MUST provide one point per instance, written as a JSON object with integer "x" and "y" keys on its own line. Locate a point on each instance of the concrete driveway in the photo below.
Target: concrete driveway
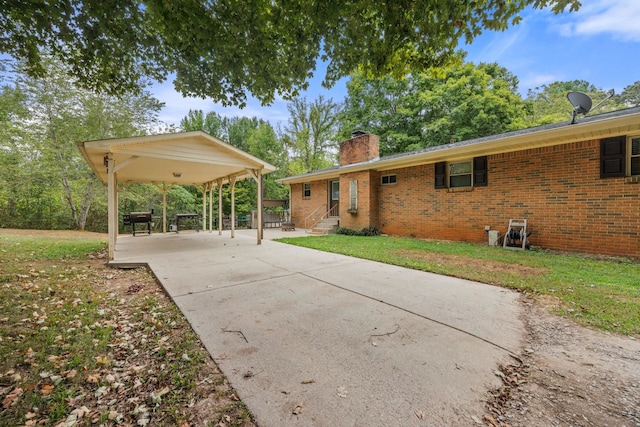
{"x": 309, "y": 338}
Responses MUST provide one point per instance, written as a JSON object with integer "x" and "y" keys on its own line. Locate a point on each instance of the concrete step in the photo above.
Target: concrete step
{"x": 326, "y": 226}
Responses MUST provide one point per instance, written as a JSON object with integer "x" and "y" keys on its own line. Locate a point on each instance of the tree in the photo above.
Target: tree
{"x": 212, "y": 123}
{"x": 264, "y": 144}
{"x": 434, "y": 107}
{"x": 224, "y": 49}
{"x": 548, "y": 103}
{"x": 630, "y": 96}
{"x": 256, "y": 137}
{"x": 311, "y": 134}
{"x": 468, "y": 101}
{"x": 380, "y": 106}
{"x": 43, "y": 142}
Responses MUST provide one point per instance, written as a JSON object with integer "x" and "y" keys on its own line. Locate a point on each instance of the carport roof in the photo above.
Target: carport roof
{"x": 183, "y": 158}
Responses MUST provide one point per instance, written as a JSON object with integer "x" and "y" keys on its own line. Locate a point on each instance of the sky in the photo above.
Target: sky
{"x": 600, "y": 44}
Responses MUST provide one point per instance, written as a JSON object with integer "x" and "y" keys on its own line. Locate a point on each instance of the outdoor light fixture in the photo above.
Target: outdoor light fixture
{"x": 177, "y": 174}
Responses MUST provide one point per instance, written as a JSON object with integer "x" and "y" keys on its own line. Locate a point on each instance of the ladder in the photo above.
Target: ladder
{"x": 516, "y": 235}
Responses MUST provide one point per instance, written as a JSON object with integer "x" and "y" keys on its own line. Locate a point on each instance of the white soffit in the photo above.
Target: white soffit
{"x": 186, "y": 158}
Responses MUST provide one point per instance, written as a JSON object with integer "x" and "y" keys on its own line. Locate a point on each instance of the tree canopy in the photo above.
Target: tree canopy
{"x": 224, "y": 49}
{"x": 44, "y": 181}
{"x": 459, "y": 102}
{"x": 548, "y": 103}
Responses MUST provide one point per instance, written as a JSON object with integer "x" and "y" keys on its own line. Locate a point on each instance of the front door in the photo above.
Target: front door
{"x": 334, "y": 198}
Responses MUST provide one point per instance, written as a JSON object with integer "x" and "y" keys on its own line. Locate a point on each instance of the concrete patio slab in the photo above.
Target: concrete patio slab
{"x": 348, "y": 341}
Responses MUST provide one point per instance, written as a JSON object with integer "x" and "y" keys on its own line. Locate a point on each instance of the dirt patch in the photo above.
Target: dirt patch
{"x": 472, "y": 263}
{"x": 568, "y": 375}
{"x": 63, "y": 234}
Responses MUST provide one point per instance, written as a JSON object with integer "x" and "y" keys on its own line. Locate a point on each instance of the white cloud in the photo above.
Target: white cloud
{"x": 618, "y": 18}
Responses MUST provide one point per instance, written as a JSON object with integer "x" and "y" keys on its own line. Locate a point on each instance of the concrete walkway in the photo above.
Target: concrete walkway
{"x": 347, "y": 342}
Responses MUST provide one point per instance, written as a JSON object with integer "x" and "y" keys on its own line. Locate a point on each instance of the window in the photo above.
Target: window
{"x": 388, "y": 179}
{"x": 620, "y": 156}
{"x": 634, "y": 157}
{"x": 306, "y": 190}
{"x": 460, "y": 174}
{"x": 335, "y": 190}
{"x": 353, "y": 196}
{"x": 470, "y": 173}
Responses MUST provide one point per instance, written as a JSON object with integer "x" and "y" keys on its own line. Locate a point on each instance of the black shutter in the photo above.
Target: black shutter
{"x": 613, "y": 157}
{"x": 441, "y": 174}
{"x": 480, "y": 171}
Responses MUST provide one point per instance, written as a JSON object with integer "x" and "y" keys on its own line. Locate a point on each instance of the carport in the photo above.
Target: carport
{"x": 182, "y": 158}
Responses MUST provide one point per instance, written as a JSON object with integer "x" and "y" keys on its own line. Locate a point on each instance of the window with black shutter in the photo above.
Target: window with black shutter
{"x": 613, "y": 157}
{"x": 480, "y": 171}
{"x": 469, "y": 173}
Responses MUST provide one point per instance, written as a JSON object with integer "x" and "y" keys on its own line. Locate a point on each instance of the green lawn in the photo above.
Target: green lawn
{"x": 83, "y": 344}
{"x": 595, "y": 291}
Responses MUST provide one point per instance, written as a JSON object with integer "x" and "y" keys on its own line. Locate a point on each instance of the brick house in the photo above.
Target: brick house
{"x": 578, "y": 186}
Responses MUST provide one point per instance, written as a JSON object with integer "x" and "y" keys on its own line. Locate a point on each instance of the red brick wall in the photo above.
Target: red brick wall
{"x": 302, "y": 208}
{"x": 557, "y": 189}
{"x": 367, "y": 200}
{"x": 359, "y": 149}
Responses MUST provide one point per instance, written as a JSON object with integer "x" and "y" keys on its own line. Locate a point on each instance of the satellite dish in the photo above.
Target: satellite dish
{"x": 581, "y": 104}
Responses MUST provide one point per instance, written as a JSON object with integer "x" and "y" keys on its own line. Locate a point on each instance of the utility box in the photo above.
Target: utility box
{"x": 493, "y": 237}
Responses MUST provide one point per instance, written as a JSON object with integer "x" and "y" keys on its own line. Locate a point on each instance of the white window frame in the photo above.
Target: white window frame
{"x": 306, "y": 188}
{"x": 450, "y": 165}
{"x": 353, "y": 196}
{"x": 631, "y": 154}
{"x": 391, "y": 179}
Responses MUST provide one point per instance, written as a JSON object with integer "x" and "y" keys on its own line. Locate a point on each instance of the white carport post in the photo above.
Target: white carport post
{"x": 219, "y": 182}
{"x": 256, "y": 174}
{"x": 232, "y": 216}
{"x": 204, "y": 206}
{"x": 112, "y": 208}
{"x": 210, "y": 206}
{"x": 164, "y": 188}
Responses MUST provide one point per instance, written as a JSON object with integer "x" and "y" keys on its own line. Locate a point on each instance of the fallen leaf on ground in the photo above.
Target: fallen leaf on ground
{"x": 47, "y": 389}
{"x": 11, "y": 397}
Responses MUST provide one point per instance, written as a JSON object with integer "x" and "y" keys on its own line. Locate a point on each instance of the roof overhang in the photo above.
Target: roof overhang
{"x": 183, "y": 158}
{"x": 591, "y": 128}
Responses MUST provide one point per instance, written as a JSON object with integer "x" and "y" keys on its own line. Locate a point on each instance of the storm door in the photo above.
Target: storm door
{"x": 334, "y": 198}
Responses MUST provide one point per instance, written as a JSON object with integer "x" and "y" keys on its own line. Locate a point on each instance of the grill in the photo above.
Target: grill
{"x": 138, "y": 218}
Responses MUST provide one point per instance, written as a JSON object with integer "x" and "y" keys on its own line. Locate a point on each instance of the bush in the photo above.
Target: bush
{"x": 346, "y": 231}
{"x": 370, "y": 231}
{"x": 367, "y": 231}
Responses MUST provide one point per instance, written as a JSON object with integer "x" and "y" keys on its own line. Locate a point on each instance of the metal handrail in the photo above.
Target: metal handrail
{"x": 311, "y": 217}
{"x": 331, "y": 212}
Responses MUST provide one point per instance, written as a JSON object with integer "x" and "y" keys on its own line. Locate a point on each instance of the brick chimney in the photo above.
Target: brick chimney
{"x": 362, "y": 147}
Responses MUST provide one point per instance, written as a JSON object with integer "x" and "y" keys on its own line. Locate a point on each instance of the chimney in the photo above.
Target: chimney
{"x": 362, "y": 147}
